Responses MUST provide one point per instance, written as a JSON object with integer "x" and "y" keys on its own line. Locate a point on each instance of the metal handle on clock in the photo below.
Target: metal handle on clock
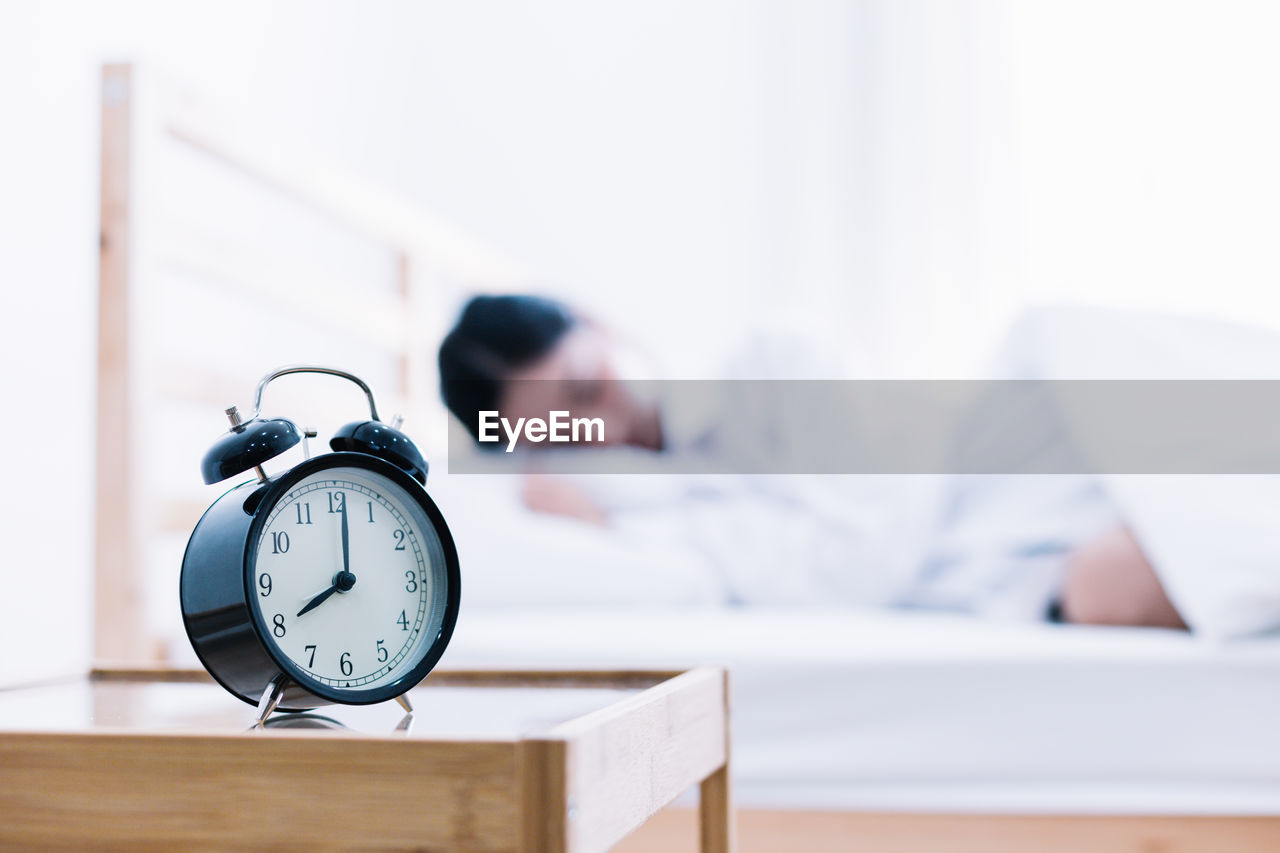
{"x": 300, "y": 368}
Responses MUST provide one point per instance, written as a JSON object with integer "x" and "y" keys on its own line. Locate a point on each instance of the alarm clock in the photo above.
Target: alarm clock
{"x": 335, "y": 581}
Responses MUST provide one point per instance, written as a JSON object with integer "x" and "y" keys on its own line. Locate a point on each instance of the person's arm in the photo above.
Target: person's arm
{"x": 1110, "y": 582}
{"x": 557, "y": 496}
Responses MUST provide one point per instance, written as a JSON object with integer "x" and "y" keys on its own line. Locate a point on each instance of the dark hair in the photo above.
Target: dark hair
{"x": 495, "y": 335}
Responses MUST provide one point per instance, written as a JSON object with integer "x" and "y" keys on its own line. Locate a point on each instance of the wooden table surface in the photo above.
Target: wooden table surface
{"x": 488, "y": 761}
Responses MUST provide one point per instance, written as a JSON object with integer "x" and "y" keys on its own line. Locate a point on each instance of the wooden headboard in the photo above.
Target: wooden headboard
{"x": 226, "y": 252}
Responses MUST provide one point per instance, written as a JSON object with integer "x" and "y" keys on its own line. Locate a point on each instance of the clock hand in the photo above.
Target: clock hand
{"x": 346, "y": 540}
{"x": 342, "y": 582}
{"x": 318, "y": 599}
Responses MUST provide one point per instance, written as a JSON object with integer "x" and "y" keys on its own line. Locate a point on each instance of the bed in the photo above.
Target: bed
{"x": 873, "y": 710}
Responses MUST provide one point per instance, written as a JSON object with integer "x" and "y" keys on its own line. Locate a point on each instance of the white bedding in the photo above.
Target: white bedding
{"x": 995, "y": 546}
{"x": 874, "y": 710}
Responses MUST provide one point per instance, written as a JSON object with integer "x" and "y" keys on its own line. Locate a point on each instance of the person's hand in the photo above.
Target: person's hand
{"x": 555, "y": 496}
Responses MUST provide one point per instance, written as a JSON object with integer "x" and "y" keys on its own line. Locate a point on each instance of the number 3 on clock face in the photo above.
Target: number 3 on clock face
{"x": 350, "y": 583}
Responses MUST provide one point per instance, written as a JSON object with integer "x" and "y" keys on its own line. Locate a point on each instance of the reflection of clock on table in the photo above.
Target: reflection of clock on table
{"x": 335, "y": 581}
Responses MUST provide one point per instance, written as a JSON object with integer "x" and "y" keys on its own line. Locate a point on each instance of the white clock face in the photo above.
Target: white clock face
{"x": 354, "y": 617}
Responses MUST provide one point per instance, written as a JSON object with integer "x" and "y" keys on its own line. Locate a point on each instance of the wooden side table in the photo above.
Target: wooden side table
{"x": 539, "y": 762}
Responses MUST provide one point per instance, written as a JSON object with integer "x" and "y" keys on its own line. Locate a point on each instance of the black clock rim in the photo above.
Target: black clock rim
{"x": 277, "y": 488}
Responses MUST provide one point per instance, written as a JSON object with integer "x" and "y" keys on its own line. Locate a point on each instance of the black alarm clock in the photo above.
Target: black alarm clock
{"x": 335, "y": 581}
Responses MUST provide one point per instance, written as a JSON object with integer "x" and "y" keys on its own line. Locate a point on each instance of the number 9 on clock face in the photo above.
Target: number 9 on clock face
{"x": 349, "y": 587}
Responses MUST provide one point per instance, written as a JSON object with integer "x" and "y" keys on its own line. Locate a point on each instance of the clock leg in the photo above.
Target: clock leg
{"x": 270, "y": 698}
{"x": 403, "y": 699}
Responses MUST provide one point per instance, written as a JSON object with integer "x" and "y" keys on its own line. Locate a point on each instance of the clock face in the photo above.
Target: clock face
{"x": 350, "y": 583}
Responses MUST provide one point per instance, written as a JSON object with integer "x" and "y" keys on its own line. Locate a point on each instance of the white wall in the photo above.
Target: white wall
{"x": 1148, "y": 136}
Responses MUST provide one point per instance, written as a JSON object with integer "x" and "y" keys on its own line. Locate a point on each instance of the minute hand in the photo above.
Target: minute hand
{"x": 346, "y": 540}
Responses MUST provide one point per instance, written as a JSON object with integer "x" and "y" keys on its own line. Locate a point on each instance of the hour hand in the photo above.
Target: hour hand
{"x": 342, "y": 582}
{"x": 318, "y": 599}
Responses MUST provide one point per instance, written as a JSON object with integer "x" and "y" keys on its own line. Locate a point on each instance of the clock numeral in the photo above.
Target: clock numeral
{"x": 279, "y": 542}
{"x": 399, "y": 536}
{"x": 264, "y": 582}
{"x": 382, "y": 652}
{"x": 304, "y": 513}
{"x": 403, "y": 621}
{"x": 337, "y": 501}
{"x": 370, "y": 512}
{"x": 344, "y": 663}
{"x": 311, "y": 661}
{"x": 411, "y": 582}
{"x": 277, "y": 624}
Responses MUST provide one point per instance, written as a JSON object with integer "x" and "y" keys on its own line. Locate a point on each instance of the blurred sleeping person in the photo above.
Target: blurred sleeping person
{"x": 1029, "y": 547}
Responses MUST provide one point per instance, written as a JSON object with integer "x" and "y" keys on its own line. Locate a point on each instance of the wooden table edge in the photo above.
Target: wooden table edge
{"x": 569, "y": 766}
{"x": 552, "y": 786}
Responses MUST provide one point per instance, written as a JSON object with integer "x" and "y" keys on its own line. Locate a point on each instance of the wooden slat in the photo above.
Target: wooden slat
{"x": 717, "y": 828}
{"x": 411, "y": 352}
{"x": 771, "y": 831}
{"x": 378, "y": 319}
{"x": 176, "y": 515}
{"x": 622, "y": 679}
{"x": 158, "y": 673}
{"x": 117, "y": 586}
{"x": 292, "y": 170}
{"x": 544, "y": 803}
{"x": 716, "y": 824}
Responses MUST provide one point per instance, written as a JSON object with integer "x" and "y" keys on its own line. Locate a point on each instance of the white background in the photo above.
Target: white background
{"x": 896, "y": 178}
